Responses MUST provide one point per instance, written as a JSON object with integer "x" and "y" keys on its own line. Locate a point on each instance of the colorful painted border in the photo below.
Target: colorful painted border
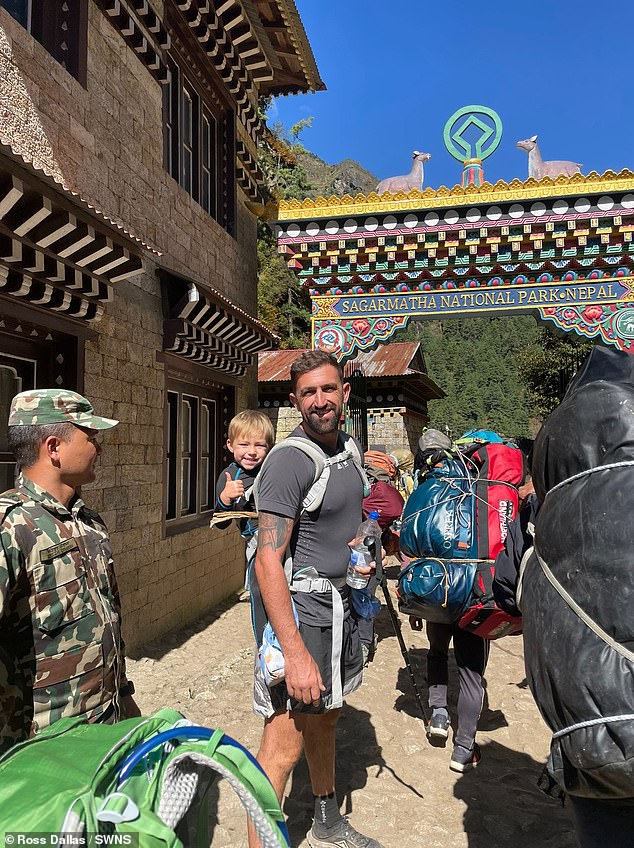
{"x": 614, "y": 323}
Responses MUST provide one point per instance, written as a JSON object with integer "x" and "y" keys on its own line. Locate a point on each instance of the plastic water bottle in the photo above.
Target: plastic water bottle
{"x": 360, "y": 554}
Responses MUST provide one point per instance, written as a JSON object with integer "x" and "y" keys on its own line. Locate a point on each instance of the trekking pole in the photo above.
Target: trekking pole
{"x": 372, "y": 543}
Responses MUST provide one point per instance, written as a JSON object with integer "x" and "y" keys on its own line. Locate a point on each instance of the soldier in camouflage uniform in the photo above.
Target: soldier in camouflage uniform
{"x": 61, "y": 651}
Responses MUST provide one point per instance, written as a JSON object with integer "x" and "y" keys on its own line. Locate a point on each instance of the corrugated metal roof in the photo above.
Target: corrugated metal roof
{"x": 392, "y": 360}
{"x": 275, "y": 365}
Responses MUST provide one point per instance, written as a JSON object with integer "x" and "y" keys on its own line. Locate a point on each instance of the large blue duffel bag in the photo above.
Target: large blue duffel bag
{"x": 439, "y": 519}
{"x": 438, "y": 590}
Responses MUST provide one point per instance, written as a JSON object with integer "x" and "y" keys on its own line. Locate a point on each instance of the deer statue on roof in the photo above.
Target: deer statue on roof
{"x": 538, "y": 169}
{"x": 406, "y": 182}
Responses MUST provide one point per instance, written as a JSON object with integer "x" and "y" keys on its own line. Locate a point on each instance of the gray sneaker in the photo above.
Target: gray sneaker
{"x": 464, "y": 759}
{"x": 438, "y": 727}
{"x": 342, "y": 835}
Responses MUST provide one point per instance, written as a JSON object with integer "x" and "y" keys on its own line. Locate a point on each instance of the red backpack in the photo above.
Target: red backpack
{"x": 386, "y": 501}
{"x": 484, "y": 618}
{"x": 500, "y": 469}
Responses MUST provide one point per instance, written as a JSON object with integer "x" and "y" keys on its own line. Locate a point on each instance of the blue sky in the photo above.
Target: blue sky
{"x": 397, "y": 71}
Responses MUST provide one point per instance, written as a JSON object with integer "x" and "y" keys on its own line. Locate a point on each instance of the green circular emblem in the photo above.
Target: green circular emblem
{"x": 486, "y": 120}
{"x": 624, "y": 324}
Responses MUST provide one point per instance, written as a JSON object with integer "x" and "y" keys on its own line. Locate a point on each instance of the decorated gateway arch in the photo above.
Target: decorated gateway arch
{"x": 559, "y": 247}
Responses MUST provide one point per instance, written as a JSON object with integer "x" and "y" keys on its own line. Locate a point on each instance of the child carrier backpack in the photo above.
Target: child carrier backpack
{"x": 455, "y": 523}
{"x": 323, "y": 463}
{"x": 146, "y": 777}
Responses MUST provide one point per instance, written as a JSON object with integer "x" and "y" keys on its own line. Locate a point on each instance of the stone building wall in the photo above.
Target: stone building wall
{"x": 105, "y": 142}
{"x": 395, "y": 427}
{"x": 284, "y": 419}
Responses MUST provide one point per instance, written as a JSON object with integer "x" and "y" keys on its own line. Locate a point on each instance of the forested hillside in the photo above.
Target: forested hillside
{"x": 476, "y": 362}
{"x": 500, "y": 373}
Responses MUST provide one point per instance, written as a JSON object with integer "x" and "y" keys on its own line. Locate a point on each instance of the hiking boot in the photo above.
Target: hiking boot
{"x": 438, "y": 727}
{"x": 341, "y": 835}
{"x": 464, "y": 759}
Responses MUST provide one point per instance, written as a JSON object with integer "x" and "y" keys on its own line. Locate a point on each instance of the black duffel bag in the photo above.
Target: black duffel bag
{"x": 578, "y": 586}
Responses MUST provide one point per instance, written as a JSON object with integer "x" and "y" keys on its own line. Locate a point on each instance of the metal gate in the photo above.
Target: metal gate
{"x": 356, "y": 410}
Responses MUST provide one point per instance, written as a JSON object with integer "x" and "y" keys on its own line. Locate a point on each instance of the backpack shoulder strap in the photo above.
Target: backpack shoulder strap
{"x": 309, "y": 448}
{"x": 528, "y": 553}
{"x": 350, "y": 445}
{"x": 315, "y": 494}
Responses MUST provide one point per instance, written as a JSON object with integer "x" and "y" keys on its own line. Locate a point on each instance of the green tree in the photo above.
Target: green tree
{"x": 547, "y": 367}
{"x": 283, "y": 303}
{"x": 475, "y": 362}
{"x": 278, "y": 159}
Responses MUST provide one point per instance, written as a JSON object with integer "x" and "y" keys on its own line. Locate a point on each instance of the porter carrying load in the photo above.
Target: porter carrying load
{"x": 454, "y": 525}
{"x": 577, "y": 589}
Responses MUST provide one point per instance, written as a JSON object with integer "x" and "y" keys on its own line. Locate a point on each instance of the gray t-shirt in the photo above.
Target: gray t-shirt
{"x": 320, "y": 539}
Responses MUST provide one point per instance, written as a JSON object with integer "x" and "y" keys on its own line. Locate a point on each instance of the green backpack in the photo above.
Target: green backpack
{"x": 144, "y": 776}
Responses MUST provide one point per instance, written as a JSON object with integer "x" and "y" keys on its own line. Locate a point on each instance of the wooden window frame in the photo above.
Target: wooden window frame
{"x": 219, "y": 165}
{"x": 210, "y": 452}
{"x": 39, "y": 357}
{"x": 62, "y": 32}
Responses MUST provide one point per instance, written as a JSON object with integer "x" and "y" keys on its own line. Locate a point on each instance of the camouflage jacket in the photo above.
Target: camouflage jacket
{"x": 61, "y": 652}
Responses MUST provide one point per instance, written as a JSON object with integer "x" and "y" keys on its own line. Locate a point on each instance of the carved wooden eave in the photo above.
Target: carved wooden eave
{"x": 142, "y": 30}
{"x": 213, "y": 26}
{"x": 204, "y": 326}
{"x": 56, "y": 251}
{"x": 283, "y": 26}
{"x": 249, "y": 176}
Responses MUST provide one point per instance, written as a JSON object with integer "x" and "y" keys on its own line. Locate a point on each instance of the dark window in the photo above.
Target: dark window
{"x": 188, "y": 147}
{"x": 59, "y": 25}
{"x": 208, "y": 164}
{"x": 196, "y": 424}
{"x": 20, "y": 10}
{"x": 199, "y": 146}
{"x": 30, "y": 358}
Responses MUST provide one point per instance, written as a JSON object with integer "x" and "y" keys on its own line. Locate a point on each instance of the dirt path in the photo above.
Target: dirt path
{"x": 394, "y": 786}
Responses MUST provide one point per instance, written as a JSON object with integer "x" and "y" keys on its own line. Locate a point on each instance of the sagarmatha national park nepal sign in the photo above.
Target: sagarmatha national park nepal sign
{"x": 444, "y": 302}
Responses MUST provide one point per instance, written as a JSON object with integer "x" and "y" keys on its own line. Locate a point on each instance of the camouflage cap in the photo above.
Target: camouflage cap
{"x": 55, "y": 406}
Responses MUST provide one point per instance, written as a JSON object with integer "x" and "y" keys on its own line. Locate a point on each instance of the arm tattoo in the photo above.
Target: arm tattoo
{"x": 274, "y": 532}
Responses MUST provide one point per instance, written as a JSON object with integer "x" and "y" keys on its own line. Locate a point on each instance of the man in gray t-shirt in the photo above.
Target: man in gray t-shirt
{"x": 319, "y": 539}
{"x": 300, "y": 713}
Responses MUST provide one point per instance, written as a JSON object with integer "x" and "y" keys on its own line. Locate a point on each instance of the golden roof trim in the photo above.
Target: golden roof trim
{"x": 322, "y": 207}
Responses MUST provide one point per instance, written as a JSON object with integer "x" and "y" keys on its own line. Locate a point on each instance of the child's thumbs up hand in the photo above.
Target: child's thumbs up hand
{"x": 233, "y": 490}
